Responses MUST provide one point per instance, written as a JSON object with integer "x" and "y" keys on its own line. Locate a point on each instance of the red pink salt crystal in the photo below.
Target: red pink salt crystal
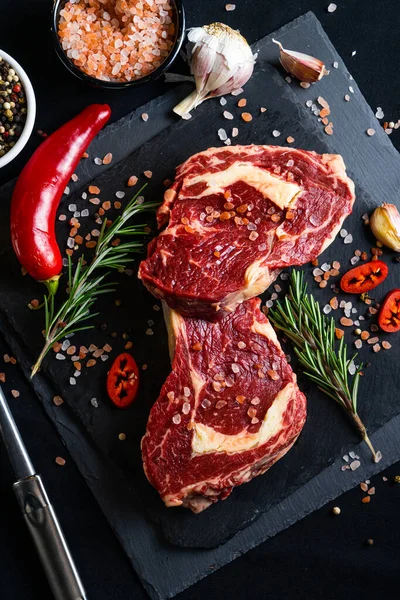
{"x": 118, "y": 40}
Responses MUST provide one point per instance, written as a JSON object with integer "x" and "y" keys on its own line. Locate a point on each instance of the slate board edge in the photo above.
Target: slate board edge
{"x": 245, "y": 540}
{"x": 198, "y": 563}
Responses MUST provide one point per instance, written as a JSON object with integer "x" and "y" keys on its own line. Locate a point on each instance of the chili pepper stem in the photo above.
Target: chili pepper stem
{"x": 52, "y": 287}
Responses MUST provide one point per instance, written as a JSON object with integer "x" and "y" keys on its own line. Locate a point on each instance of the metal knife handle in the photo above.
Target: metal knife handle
{"x": 49, "y": 539}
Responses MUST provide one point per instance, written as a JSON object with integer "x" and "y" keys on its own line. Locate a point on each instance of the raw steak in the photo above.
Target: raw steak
{"x": 238, "y": 215}
{"x": 227, "y": 412}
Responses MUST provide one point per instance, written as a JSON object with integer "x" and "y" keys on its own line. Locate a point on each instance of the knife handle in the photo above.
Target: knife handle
{"x": 49, "y": 539}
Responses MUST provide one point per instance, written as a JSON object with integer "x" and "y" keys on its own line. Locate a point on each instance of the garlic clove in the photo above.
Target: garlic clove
{"x": 385, "y": 225}
{"x": 221, "y": 62}
{"x": 302, "y": 66}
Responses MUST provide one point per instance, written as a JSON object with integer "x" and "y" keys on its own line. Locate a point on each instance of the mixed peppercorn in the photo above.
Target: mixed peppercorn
{"x": 12, "y": 107}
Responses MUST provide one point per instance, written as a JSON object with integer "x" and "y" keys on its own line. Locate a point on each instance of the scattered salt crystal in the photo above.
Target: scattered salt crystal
{"x": 357, "y": 323}
{"x": 145, "y": 117}
{"x": 206, "y": 403}
{"x": 227, "y": 142}
{"x": 65, "y": 345}
{"x": 343, "y": 233}
{"x": 241, "y": 345}
{"x": 327, "y": 308}
{"x": 235, "y": 368}
{"x": 354, "y": 465}
{"x": 94, "y": 402}
{"x": 317, "y": 271}
{"x": 66, "y": 191}
{"x": 77, "y": 214}
{"x": 352, "y": 368}
{"x": 72, "y": 381}
{"x": 186, "y": 116}
{"x": 379, "y": 113}
{"x": 335, "y": 65}
{"x": 288, "y": 79}
{"x": 352, "y": 454}
{"x": 237, "y": 92}
{"x": 186, "y": 392}
{"x": 222, "y": 101}
{"x": 186, "y": 408}
{"x": 370, "y": 132}
{"x": 354, "y": 52}
{"x": 98, "y": 161}
{"x": 222, "y": 134}
{"x": 149, "y": 331}
{"x": 309, "y": 103}
{"x": 347, "y": 98}
{"x": 332, "y": 7}
{"x": 72, "y": 207}
{"x": 176, "y": 419}
{"x": 284, "y": 276}
{"x": 230, "y": 7}
{"x": 326, "y": 267}
{"x": 354, "y": 260}
{"x": 274, "y": 296}
{"x": 235, "y": 132}
{"x": 344, "y": 468}
{"x": 85, "y": 212}
{"x": 346, "y": 458}
{"x": 119, "y": 194}
{"x": 358, "y": 344}
{"x": 348, "y": 239}
{"x": 276, "y": 133}
{"x": 269, "y": 303}
{"x": 228, "y": 115}
{"x": 77, "y": 374}
{"x": 351, "y": 89}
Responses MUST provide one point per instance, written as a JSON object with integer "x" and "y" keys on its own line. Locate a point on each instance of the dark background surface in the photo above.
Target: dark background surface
{"x": 322, "y": 556}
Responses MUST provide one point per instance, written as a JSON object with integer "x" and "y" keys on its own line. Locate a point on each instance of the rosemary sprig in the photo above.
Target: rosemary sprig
{"x": 84, "y": 285}
{"x": 299, "y": 316}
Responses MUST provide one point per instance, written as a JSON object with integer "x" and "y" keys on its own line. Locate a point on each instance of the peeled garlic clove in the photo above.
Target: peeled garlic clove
{"x": 385, "y": 225}
{"x": 302, "y": 66}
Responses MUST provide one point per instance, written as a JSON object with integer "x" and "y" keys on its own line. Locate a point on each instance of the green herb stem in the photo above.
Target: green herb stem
{"x": 84, "y": 285}
{"x": 300, "y": 318}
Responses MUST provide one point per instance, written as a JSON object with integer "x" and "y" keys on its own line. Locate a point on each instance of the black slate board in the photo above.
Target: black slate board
{"x": 301, "y": 481}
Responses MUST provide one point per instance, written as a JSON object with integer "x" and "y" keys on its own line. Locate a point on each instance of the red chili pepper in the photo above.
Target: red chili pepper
{"x": 364, "y": 278}
{"x": 123, "y": 380}
{"x": 39, "y": 189}
{"x": 389, "y": 315}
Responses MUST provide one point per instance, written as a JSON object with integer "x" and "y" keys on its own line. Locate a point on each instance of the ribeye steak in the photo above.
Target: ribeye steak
{"x": 228, "y": 411}
{"x": 235, "y": 216}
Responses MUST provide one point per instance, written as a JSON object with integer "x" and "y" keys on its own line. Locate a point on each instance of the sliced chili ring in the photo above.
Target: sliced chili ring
{"x": 389, "y": 315}
{"x": 364, "y": 277}
{"x": 123, "y": 380}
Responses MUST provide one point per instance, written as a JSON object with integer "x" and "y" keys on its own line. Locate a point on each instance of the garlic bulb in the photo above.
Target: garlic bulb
{"x": 385, "y": 225}
{"x": 221, "y": 62}
{"x": 303, "y": 67}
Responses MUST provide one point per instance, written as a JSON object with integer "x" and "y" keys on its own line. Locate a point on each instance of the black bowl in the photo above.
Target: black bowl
{"x": 115, "y": 85}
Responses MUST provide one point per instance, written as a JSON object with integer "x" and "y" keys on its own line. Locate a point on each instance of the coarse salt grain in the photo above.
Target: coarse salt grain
{"x": 370, "y": 131}
{"x": 276, "y": 133}
{"x": 332, "y": 7}
{"x": 145, "y": 117}
{"x": 228, "y": 115}
{"x": 222, "y": 134}
{"x": 230, "y": 7}
{"x": 222, "y": 101}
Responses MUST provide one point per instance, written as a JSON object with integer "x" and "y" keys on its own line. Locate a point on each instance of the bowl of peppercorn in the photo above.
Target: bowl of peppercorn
{"x": 17, "y": 108}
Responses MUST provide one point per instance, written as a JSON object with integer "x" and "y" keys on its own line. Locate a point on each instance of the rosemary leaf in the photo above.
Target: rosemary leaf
{"x": 325, "y": 363}
{"x": 84, "y": 285}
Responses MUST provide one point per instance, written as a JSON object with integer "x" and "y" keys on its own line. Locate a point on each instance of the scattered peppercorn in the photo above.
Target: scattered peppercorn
{"x": 12, "y": 107}
{"x": 370, "y": 542}
{"x": 396, "y": 479}
{"x": 336, "y": 510}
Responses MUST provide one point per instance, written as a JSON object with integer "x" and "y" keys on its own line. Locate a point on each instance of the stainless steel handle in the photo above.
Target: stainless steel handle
{"x": 49, "y": 539}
